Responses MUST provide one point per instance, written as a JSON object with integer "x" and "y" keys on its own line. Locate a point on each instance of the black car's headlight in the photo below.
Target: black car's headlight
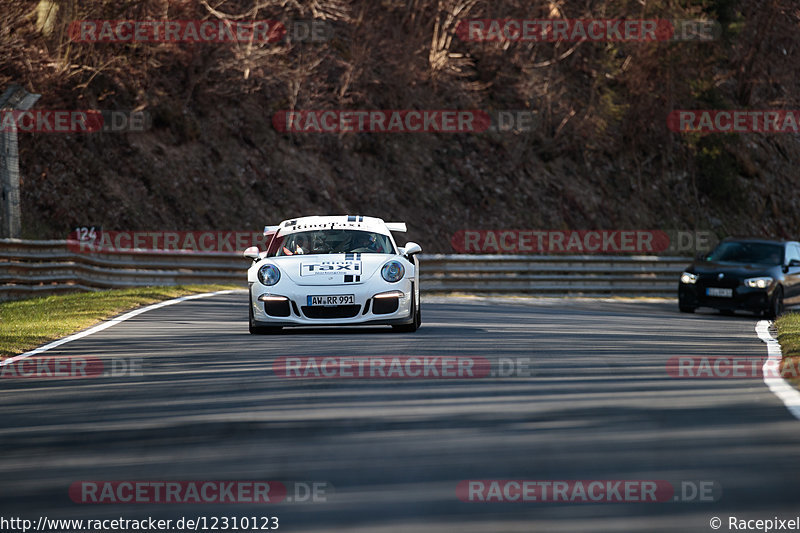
{"x": 688, "y": 277}
{"x": 758, "y": 283}
{"x": 269, "y": 275}
{"x": 393, "y": 271}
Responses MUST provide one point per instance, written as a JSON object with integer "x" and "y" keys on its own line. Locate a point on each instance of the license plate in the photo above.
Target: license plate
{"x": 336, "y": 299}
{"x": 721, "y": 293}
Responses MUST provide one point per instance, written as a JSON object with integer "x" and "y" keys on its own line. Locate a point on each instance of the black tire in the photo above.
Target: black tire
{"x": 258, "y": 330}
{"x": 776, "y": 304}
{"x": 414, "y": 326}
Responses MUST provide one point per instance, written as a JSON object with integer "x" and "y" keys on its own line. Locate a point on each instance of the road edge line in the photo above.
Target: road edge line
{"x": 111, "y": 322}
{"x": 777, "y": 385}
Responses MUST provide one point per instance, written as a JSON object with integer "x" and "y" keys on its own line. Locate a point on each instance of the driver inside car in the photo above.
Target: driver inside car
{"x": 297, "y": 247}
{"x": 366, "y": 241}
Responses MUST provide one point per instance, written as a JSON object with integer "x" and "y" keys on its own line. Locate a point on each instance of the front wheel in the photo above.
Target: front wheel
{"x": 776, "y": 305}
{"x": 414, "y": 326}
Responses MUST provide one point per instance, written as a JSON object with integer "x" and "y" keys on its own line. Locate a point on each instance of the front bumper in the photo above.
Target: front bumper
{"x": 743, "y": 299}
{"x": 287, "y": 305}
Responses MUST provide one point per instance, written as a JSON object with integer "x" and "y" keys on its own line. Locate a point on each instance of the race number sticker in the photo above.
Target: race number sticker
{"x": 351, "y": 268}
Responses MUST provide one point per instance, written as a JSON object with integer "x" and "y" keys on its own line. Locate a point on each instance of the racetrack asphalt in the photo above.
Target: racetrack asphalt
{"x": 598, "y": 405}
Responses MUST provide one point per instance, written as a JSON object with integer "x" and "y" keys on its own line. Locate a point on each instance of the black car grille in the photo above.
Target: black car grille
{"x": 339, "y": 311}
{"x": 383, "y": 306}
{"x": 277, "y": 308}
{"x": 712, "y": 280}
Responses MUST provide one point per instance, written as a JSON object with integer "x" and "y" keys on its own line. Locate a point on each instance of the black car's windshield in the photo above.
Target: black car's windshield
{"x": 748, "y": 252}
{"x": 330, "y": 241}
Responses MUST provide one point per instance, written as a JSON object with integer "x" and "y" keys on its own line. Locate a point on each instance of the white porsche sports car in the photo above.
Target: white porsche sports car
{"x": 334, "y": 270}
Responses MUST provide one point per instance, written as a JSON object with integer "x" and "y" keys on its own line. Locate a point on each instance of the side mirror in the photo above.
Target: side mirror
{"x": 252, "y": 253}
{"x": 411, "y": 248}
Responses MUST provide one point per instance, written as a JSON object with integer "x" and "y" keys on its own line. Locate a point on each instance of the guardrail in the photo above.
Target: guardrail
{"x": 548, "y": 275}
{"x": 49, "y": 267}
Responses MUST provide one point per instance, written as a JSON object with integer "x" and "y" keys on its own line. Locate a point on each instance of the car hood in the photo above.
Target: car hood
{"x": 331, "y": 269}
{"x": 739, "y": 270}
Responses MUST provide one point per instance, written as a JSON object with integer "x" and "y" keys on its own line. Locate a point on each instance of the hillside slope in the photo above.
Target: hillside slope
{"x": 600, "y": 156}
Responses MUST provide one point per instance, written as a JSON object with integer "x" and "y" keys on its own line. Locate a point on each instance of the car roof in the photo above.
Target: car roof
{"x": 354, "y": 222}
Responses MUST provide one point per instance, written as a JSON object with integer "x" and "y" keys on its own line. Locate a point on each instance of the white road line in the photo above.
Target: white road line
{"x": 109, "y": 323}
{"x": 779, "y": 387}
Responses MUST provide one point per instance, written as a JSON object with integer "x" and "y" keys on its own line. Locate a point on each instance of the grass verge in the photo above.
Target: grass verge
{"x": 26, "y": 324}
{"x": 789, "y": 337}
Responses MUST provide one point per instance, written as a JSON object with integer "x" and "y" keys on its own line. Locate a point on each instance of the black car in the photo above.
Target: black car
{"x": 743, "y": 274}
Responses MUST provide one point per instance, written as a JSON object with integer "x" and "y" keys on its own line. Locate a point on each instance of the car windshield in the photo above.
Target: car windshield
{"x": 748, "y": 252}
{"x": 330, "y": 241}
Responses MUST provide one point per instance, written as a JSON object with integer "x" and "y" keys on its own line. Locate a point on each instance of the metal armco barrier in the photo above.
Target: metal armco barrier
{"x": 32, "y": 268}
{"x": 553, "y": 275}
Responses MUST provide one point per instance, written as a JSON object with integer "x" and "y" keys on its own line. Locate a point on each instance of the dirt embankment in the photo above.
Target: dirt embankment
{"x": 600, "y": 155}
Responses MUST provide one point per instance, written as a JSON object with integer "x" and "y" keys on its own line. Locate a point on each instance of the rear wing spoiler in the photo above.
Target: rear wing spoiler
{"x": 396, "y": 226}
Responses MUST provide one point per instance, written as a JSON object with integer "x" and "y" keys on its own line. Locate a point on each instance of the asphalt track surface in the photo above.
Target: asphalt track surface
{"x": 599, "y": 405}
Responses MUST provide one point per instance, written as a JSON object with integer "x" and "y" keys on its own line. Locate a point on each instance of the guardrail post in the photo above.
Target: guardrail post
{"x": 14, "y": 98}
{"x": 9, "y": 177}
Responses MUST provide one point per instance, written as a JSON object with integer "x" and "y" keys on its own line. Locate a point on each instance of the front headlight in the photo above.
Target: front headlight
{"x": 393, "y": 271}
{"x": 269, "y": 275}
{"x": 688, "y": 277}
{"x": 758, "y": 283}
